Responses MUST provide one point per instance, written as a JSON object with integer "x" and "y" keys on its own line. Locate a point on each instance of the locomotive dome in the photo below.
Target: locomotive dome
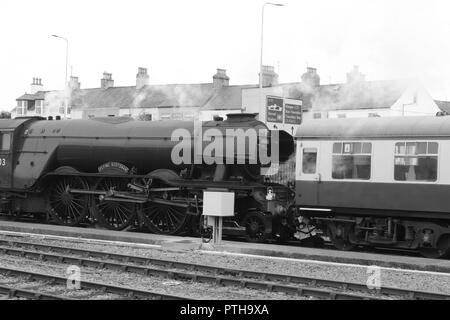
{"x": 387, "y": 127}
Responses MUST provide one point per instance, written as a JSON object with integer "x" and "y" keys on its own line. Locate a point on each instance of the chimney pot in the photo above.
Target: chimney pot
{"x": 36, "y": 85}
{"x": 107, "y": 81}
{"x": 74, "y": 84}
{"x": 355, "y": 75}
{"x": 269, "y": 76}
{"x": 220, "y": 79}
{"x": 141, "y": 78}
{"x": 310, "y": 77}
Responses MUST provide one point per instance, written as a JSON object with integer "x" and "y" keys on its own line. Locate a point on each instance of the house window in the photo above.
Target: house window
{"x": 416, "y": 161}
{"x": 373, "y": 115}
{"x": 317, "y": 115}
{"x": 309, "y": 160}
{"x": 39, "y": 107}
{"x": 165, "y": 116}
{"x": 351, "y": 160}
{"x": 21, "y": 107}
{"x": 342, "y": 115}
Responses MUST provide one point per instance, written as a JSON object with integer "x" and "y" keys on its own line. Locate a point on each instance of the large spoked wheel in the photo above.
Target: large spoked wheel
{"x": 113, "y": 215}
{"x": 442, "y": 249}
{"x": 165, "y": 219}
{"x": 256, "y": 226}
{"x": 340, "y": 236}
{"x": 68, "y": 208}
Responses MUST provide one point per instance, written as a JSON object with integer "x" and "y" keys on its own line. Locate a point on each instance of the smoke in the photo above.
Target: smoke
{"x": 56, "y": 100}
{"x": 181, "y": 98}
{"x": 360, "y": 95}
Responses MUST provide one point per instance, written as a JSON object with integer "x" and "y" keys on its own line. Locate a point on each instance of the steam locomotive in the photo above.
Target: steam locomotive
{"x": 119, "y": 173}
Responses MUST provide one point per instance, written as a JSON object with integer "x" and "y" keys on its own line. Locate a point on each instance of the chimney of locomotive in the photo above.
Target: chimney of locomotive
{"x": 220, "y": 79}
{"x": 107, "y": 81}
{"x": 74, "y": 84}
{"x": 36, "y": 85}
{"x": 141, "y": 78}
{"x": 269, "y": 76}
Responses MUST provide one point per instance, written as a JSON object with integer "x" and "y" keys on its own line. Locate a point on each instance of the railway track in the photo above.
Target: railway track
{"x": 295, "y": 285}
{"x": 100, "y": 288}
{"x": 15, "y": 292}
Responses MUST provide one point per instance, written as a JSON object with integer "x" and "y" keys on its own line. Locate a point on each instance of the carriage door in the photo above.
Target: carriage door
{"x": 6, "y": 158}
{"x": 308, "y": 176}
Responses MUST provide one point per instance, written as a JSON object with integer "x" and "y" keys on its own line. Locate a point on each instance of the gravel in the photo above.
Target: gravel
{"x": 421, "y": 281}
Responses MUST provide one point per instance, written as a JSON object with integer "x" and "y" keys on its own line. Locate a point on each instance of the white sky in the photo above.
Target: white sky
{"x": 184, "y": 41}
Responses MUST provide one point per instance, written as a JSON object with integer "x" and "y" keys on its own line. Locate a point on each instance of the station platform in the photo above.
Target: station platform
{"x": 233, "y": 247}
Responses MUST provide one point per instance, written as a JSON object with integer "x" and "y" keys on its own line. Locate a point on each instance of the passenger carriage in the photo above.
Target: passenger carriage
{"x": 376, "y": 182}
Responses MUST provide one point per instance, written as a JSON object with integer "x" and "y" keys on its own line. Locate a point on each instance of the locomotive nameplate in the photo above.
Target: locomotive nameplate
{"x": 113, "y": 165}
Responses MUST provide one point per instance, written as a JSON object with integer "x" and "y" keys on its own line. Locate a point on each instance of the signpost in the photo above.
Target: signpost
{"x": 274, "y": 111}
{"x": 292, "y": 113}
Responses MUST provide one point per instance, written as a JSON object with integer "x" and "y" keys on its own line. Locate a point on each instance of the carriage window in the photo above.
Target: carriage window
{"x": 309, "y": 160}
{"x": 352, "y": 160}
{"x": 416, "y": 161}
{"x": 6, "y": 142}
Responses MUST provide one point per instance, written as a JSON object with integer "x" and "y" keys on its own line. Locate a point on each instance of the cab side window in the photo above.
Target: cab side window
{"x": 5, "y": 141}
{"x": 309, "y": 165}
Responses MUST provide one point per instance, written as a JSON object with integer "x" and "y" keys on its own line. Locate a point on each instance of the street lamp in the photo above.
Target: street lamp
{"x": 67, "y": 53}
{"x": 262, "y": 38}
{"x": 67, "y": 59}
{"x": 262, "y": 45}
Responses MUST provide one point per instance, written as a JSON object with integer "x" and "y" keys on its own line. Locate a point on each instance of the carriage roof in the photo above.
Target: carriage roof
{"x": 381, "y": 128}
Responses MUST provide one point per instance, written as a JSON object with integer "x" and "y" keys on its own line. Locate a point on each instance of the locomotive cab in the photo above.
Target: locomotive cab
{"x": 10, "y": 131}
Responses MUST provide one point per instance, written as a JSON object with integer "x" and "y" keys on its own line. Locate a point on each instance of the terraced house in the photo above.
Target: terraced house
{"x": 143, "y": 100}
{"x": 281, "y": 106}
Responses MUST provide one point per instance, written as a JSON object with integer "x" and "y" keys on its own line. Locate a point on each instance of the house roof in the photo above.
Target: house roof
{"x": 346, "y": 96}
{"x": 40, "y": 95}
{"x": 443, "y": 105}
{"x": 202, "y": 95}
{"x": 227, "y": 98}
{"x": 150, "y": 96}
{"x": 176, "y": 95}
{"x": 359, "y": 95}
{"x": 114, "y": 97}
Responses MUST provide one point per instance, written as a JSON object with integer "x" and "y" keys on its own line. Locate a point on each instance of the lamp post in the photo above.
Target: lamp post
{"x": 262, "y": 46}
{"x": 67, "y": 60}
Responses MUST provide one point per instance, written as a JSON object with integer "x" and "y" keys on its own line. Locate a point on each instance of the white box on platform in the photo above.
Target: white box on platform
{"x": 218, "y": 203}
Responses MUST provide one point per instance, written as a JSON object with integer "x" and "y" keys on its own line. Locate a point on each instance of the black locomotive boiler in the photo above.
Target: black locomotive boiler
{"x": 119, "y": 173}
